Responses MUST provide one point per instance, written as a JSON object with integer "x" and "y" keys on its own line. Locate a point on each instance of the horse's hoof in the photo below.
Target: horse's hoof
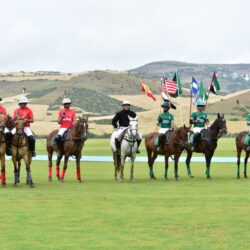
{"x": 238, "y": 177}
{"x": 166, "y": 178}
{"x": 32, "y": 185}
{"x": 122, "y": 180}
{"x": 80, "y": 181}
{"x": 245, "y": 176}
{"x": 176, "y": 178}
{"x": 209, "y": 177}
{"x": 153, "y": 177}
{"x": 50, "y": 179}
{"x": 132, "y": 180}
{"x": 190, "y": 176}
{"x": 62, "y": 180}
{"x": 15, "y": 185}
{"x": 58, "y": 178}
{"x": 4, "y": 184}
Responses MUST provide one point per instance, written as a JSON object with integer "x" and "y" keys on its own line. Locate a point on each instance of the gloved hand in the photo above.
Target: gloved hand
{"x": 63, "y": 115}
{"x": 160, "y": 120}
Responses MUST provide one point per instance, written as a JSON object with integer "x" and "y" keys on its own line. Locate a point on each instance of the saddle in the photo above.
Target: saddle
{"x": 200, "y": 136}
{"x": 166, "y": 136}
{"x": 245, "y": 139}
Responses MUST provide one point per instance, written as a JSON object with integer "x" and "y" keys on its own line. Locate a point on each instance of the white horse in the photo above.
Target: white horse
{"x": 128, "y": 149}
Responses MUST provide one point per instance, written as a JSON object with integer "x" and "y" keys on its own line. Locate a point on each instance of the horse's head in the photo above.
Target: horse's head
{"x": 9, "y": 122}
{"x": 19, "y": 125}
{"x": 182, "y": 135}
{"x": 133, "y": 126}
{"x": 2, "y": 122}
{"x": 82, "y": 127}
{"x": 221, "y": 124}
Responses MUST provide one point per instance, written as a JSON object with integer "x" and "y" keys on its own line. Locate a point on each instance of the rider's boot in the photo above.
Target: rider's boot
{"x": 32, "y": 142}
{"x": 9, "y": 138}
{"x": 196, "y": 136}
{"x": 160, "y": 142}
{"x": 118, "y": 146}
{"x": 138, "y": 145}
{"x": 58, "y": 142}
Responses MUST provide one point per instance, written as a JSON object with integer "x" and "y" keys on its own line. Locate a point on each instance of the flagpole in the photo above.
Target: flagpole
{"x": 191, "y": 96}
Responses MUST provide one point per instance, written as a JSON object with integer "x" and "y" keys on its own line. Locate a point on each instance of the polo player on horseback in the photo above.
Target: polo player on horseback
{"x": 25, "y": 113}
{"x": 198, "y": 119}
{"x": 120, "y": 122}
{"x": 248, "y": 124}
{"x": 166, "y": 122}
{"x": 66, "y": 119}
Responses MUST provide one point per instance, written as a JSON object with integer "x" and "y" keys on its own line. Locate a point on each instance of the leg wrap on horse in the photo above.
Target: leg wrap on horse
{"x": 32, "y": 142}
{"x": 9, "y": 138}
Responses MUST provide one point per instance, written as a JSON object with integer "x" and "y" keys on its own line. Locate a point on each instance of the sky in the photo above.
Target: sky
{"x": 81, "y": 35}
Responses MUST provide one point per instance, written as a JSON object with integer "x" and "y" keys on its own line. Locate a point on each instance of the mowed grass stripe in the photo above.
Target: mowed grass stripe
{"x": 103, "y": 214}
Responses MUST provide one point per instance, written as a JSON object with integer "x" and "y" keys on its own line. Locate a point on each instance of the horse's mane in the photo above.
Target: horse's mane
{"x": 9, "y": 122}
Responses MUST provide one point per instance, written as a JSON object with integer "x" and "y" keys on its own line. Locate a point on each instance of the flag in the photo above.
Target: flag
{"x": 177, "y": 80}
{"x": 202, "y": 94}
{"x": 194, "y": 86}
{"x": 166, "y": 98}
{"x": 146, "y": 90}
{"x": 170, "y": 87}
{"x": 214, "y": 86}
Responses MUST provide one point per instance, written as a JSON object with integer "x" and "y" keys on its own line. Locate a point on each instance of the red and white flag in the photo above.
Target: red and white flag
{"x": 170, "y": 87}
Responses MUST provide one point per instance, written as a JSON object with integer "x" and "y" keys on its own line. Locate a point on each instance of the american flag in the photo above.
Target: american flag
{"x": 170, "y": 87}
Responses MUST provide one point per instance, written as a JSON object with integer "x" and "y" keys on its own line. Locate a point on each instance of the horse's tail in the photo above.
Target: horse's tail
{"x": 118, "y": 162}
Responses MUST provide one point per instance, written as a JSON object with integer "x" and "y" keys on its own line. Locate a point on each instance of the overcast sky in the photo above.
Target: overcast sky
{"x": 80, "y": 35}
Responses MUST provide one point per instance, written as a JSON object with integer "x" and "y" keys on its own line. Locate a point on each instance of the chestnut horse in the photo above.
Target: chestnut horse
{"x": 240, "y": 146}
{"x": 177, "y": 141}
{"x": 19, "y": 151}
{"x": 2, "y": 148}
{"x": 208, "y": 143}
{"x": 72, "y": 145}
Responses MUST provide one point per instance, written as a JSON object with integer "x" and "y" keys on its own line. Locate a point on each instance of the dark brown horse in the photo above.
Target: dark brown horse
{"x": 208, "y": 143}
{"x": 20, "y": 150}
{"x": 2, "y": 148}
{"x": 177, "y": 141}
{"x": 72, "y": 145}
{"x": 241, "y": 146}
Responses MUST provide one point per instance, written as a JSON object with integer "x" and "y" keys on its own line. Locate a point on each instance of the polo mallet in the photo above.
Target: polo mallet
{"x": 238, "y": 102}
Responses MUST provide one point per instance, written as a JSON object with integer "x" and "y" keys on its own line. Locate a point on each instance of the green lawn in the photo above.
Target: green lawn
{"x": 103, "y": 214}
{"x": 226, "y": 147}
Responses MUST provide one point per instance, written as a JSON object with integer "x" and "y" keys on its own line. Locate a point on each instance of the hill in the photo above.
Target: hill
{"x": 232, "y": 77}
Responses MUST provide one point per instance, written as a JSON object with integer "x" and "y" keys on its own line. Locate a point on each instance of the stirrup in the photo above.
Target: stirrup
{"x": 8, "y": 152}
{"x": 138, "y": 151}
{"x": 33, "y": 153}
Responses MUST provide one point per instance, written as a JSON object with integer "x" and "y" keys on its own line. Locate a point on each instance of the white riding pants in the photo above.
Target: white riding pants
{"x": 27, "y": 131}
{"x": 62, "y": 131}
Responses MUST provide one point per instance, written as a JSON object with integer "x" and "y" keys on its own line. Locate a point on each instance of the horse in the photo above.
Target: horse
{"x": 128, "y": 149}
{"x": 177, "y": 141}
{"x": 20, "y": 150}
{"x": 208, "y": 143}
{"x": 240, "y": 146}
{"x": 74, "y": 140}
{"x": 2, "y": 148}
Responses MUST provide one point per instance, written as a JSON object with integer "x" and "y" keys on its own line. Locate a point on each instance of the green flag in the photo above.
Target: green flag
{"x": 202, "y": 93}
{"x": 214, "y": 85}
{"x": 177, "y": 80}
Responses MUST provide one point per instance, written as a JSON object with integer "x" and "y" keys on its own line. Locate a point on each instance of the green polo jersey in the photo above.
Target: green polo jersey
{"x": 165, "y": 120}
{"x": 201, "y": 118}
{"x": 248, "y": 117}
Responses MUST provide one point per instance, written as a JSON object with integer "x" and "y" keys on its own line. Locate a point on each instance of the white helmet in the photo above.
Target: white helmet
{"x": 126, "y": 102}
{"x": 23, "y": 99}
{"x": 66, "y": 100}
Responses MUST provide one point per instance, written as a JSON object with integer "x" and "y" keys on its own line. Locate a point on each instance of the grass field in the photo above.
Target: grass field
{"x": 103, "y": 214}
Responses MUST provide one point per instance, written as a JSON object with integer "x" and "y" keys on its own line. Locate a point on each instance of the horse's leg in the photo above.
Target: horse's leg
{"x": 208, "y": 162}
{"x": 115, "y": 164}
{"x": 132, "y": 168}
{"x": 3, "y": 175}
{"x": 19, "y": 170}
{"x": 245, "y": 164}
{"x": 239, "y": 149}
{"x": 78, "y": 169}
{"x": 66, "y": 158}
{"x": 123, "y": 158}
{"x": 151, "y": 166}
{"x": 58, "y": 160}
{"x": 176, "y": 160}
{"x": 15, "y": 171}
{"x": 166, "y": 167}
{"x": 188, "y": 159}
{"x": 28, "y": 171}
{"x": 50, "y": 155}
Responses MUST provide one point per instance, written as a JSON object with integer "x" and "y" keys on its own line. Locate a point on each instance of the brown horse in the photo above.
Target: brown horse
{"x": 240, "y": 146}
{"x": 73, "y": 144}
{"x": 2, "y": 148}
{"x": 20, "y": 150}
{"x": 208, "y": 143}
{"x": 177, "y": 141}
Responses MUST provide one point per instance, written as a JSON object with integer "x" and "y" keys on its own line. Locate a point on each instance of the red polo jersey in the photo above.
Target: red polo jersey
{"x": 68, "y": 119}
{"x": 3, "y": 110}
{"x": 25, "y": 113}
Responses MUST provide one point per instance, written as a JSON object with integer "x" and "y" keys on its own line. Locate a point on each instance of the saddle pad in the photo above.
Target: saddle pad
{"x": 246, "y": 139}
{"x": 156, "y": 141}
